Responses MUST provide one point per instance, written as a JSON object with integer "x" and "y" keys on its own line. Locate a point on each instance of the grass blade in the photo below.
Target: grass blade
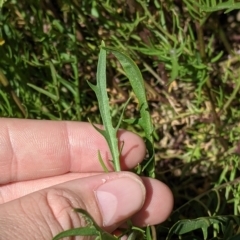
{"x": 40, "y": 90}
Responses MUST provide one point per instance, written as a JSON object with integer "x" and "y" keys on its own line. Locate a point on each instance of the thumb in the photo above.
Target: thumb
{"x": 110, "y": 199}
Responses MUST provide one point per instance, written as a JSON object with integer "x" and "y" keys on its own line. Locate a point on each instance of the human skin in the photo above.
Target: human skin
{"x": 47, "y": 168}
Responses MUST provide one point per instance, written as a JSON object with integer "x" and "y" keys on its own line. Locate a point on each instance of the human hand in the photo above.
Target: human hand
{"x": 48, "y": 168}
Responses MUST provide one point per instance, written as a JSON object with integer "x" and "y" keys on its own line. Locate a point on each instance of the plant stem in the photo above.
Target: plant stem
{"x": 208, "y": 85}
{"x": 232, "y": 97}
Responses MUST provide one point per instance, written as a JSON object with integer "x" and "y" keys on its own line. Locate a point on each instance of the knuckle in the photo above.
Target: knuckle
{"x": 61, "y": 203}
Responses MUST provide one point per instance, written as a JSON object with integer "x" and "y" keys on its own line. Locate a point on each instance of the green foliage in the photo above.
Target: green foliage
{"x": 220, "y": 223}
{"x": 91, "y": 229}
{"x": 110, "y": 133}
{"x": 134, "y": 75}
{"x": 187, "y": 52}
{"x": 2, "y": 2}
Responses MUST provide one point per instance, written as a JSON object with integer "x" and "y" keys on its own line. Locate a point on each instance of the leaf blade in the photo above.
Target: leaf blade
{"x": 136, "y": 80}
{"x": 109, "y": 133}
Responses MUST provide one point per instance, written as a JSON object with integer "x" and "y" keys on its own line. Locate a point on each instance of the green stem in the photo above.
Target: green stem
{"x": 208, "y": 85}
{"x": 77, "y": 92}
{"x": 157, "y": 25}
{"x": 224, "y": 39}
{"x": 232, "y": 97}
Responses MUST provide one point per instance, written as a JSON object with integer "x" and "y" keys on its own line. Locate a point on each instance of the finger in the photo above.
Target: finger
{"x": 16, "y": 190}
{"x": 51, "y": 208}
{"x": 33, "y": 149}
{"x": 157, "y": 207}
{"x": 158, "y": 204}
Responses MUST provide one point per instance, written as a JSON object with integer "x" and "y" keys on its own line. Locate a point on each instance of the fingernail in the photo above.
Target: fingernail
{"x": 120, "y": 198}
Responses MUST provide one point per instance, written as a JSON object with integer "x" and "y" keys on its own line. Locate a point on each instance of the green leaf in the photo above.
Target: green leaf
{"x": 217, "y": 57}
{"x": 175, "y": 65}
{"x": 92, "y": 229}
{"x": 102, "y": 163}
{"x": 229, "y": 6}
{"x": 133, "y": 236}
{"x": 2, "y": 2}
{"x": 136, "y": 80}
{"x": 188, "y": 225}
{"x": 109, "y": 133}
{"x": 40, "y": 90}
{"x": 85, "y": 231}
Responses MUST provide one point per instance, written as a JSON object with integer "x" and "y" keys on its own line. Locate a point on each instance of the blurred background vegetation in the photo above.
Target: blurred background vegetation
{"x": 188, "y": 52}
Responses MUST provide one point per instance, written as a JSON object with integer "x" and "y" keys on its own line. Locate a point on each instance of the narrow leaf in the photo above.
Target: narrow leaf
{"x": 109, "y": 133}
{"x": 85, "y": 231}
{"x": 102, "y": 163}
{"x": 189, "y": 225}
{"x": 92, "y": 229}
{"x": 40, "y": 90}
{"x": 135, "y": 77}
{"x": 121, "y": 117}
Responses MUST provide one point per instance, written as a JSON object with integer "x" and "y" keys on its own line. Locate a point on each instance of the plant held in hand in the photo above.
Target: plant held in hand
{"x": 110, "y": 134}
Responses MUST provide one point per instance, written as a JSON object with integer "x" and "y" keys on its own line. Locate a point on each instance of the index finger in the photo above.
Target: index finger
{"x": 32, "y": 149}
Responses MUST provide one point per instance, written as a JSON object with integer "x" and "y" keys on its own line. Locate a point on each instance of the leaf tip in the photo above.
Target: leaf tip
{"x": 102, "y": 44}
